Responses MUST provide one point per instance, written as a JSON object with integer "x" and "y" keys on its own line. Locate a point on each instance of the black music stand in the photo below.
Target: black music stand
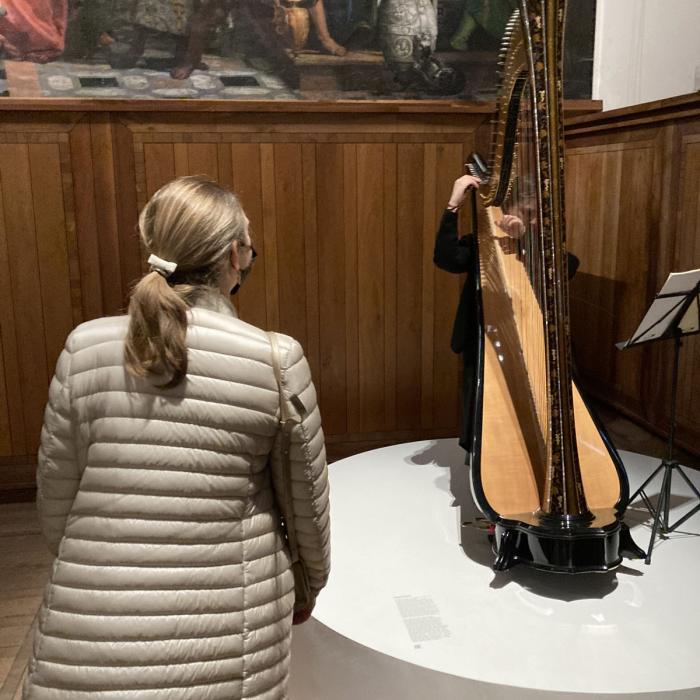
{"x": 674, "y": 313}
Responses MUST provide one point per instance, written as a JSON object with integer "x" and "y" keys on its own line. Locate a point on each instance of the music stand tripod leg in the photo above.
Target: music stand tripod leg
{"x": 667, "y": 500}
{"x": 661, "y": 507}
{"x": 640, "y": 490}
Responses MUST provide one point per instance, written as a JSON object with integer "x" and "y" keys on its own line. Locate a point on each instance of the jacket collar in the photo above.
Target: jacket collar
{"x": 213, "y": 300}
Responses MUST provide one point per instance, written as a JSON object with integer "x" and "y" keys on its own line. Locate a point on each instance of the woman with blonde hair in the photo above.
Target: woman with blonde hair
{"x": 161, "y": 466}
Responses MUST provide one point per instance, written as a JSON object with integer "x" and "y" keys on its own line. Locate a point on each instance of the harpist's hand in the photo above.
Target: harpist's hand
{"x": 512, "y": 225}
{"x": 459, "y": 190}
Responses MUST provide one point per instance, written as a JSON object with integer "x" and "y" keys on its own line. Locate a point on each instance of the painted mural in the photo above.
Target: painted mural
{"x": 267, "y": 49}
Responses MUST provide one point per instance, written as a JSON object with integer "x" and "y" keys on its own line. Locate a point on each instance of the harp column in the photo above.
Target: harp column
{"x": 564, "y": 500}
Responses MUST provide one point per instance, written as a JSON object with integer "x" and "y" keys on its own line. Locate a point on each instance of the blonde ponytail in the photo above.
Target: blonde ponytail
{"x": 155, "y": 342}
{"x": 192, "y": 222}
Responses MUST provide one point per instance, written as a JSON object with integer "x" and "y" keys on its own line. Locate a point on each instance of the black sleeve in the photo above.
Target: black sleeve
{"x": 572, "y": 263}
{"x": 451, "y": 253}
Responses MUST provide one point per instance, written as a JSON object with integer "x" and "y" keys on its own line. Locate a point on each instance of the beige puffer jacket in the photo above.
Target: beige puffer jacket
{"x": 172, "y": 578}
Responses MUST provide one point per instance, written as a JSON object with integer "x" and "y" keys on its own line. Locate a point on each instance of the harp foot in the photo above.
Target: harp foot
{"x": 595, "y": 547}
{"x": 629, "y": 546}
{"x": 506, "y": 550}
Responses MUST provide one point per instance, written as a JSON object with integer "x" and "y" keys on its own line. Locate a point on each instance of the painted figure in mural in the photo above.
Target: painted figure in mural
{"x": 90, "y": 24}
{"x": 33, "y": 30}
{"x": 317, "y": 11}
{"x": 292, "y": 19}
{"x": 357, "y": 16}
{"x": 408, "y": 36}
{"x": 490, "y": 16}
{"x": 189, "y": 22}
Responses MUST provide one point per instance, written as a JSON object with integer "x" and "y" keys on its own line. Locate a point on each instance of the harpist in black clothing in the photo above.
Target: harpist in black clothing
{"x": 455, "y": 253}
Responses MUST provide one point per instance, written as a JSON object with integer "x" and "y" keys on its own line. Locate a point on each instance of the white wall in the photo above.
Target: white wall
{"x": 645, "y": 50}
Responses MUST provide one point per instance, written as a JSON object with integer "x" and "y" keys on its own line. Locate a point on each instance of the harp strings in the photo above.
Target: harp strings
{"x": 523, "y": 259}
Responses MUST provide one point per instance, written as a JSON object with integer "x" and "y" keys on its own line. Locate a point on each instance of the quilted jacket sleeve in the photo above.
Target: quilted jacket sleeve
{"x": 309, "y": 471}
{"x": 58, "y": 473}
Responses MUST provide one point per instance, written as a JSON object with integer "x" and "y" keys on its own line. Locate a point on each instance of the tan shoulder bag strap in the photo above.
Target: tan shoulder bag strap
{"x": 304, "y": 598}
{"x": 287, "y": 424}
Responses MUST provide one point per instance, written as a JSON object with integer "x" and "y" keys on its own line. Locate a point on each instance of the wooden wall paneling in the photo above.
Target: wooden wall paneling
{"x": 291, "y": 258}
{"x": 657, "y": 195}
{"x": 593, "y": 177}
{"x": 52, "y": 247}
{"x": 665, "y": 201}
{"x": 582, "y": 305}
{"x": 130, "y": 254}
{"x": 86, "y": 221}
{"x": 658, "y": 357}
{"x": 195, "y": 158}
{"x": 603, "y": 185}
{"x": 428, "y": 285}
{"x": 634, "y": 248}
{"x": 686, "y": 256}
{"x": 106, "y": 227}
{"x": 689, "y": 401}
{"x": 181, "y": 159}
{"x": 11, "y": 417}
{"x": 330, "y": 208}
{"x": 269, "y": 232}
{"x": 659, "y": 252}
{"x": 246, "y": 182}
{"x": 310, "y": 233}
{"x": 66, "y": 166}
{"x": 203, "y": 159}
{"x": 609, "y": 220}
{"x": 225, "y": 159}
{"x": 389, "y": 276}
{"x": 139, "y": 175}
{"x": 350, "y": 226}
{"x": 20, "y": 230}
{"x": 676, "y": 209}
{"x": 18, "y": 473}
{"x": 5, "y": 431}
{"x": 687, "y": 215}
{"x": 159, "y": 168}
{"x": 410, "y": 262}
{"x": 446, "y": 408}
{"x": 370, "y": 285}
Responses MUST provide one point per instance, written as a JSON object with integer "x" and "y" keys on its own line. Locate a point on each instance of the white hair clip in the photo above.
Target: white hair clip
{"x": 161, "y": 266}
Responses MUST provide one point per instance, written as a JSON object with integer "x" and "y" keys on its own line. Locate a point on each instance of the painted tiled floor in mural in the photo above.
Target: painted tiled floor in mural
{"x": 252, "y": 68}
{"x": 227, "y": 78}
{"x": 357, "y": 76}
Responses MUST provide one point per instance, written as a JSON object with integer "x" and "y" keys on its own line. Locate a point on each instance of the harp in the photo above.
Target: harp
{"x": 541, "y": 467}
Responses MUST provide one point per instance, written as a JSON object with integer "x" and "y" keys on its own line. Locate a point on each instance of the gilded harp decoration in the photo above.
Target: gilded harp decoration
{"x": 541, "y": 467}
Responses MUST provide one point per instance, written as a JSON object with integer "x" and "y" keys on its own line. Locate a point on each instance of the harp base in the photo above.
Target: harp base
{"x": 592, "y": 548}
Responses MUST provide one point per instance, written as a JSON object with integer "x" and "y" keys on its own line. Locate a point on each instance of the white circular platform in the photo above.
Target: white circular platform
{"x": 411, "y": 581}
